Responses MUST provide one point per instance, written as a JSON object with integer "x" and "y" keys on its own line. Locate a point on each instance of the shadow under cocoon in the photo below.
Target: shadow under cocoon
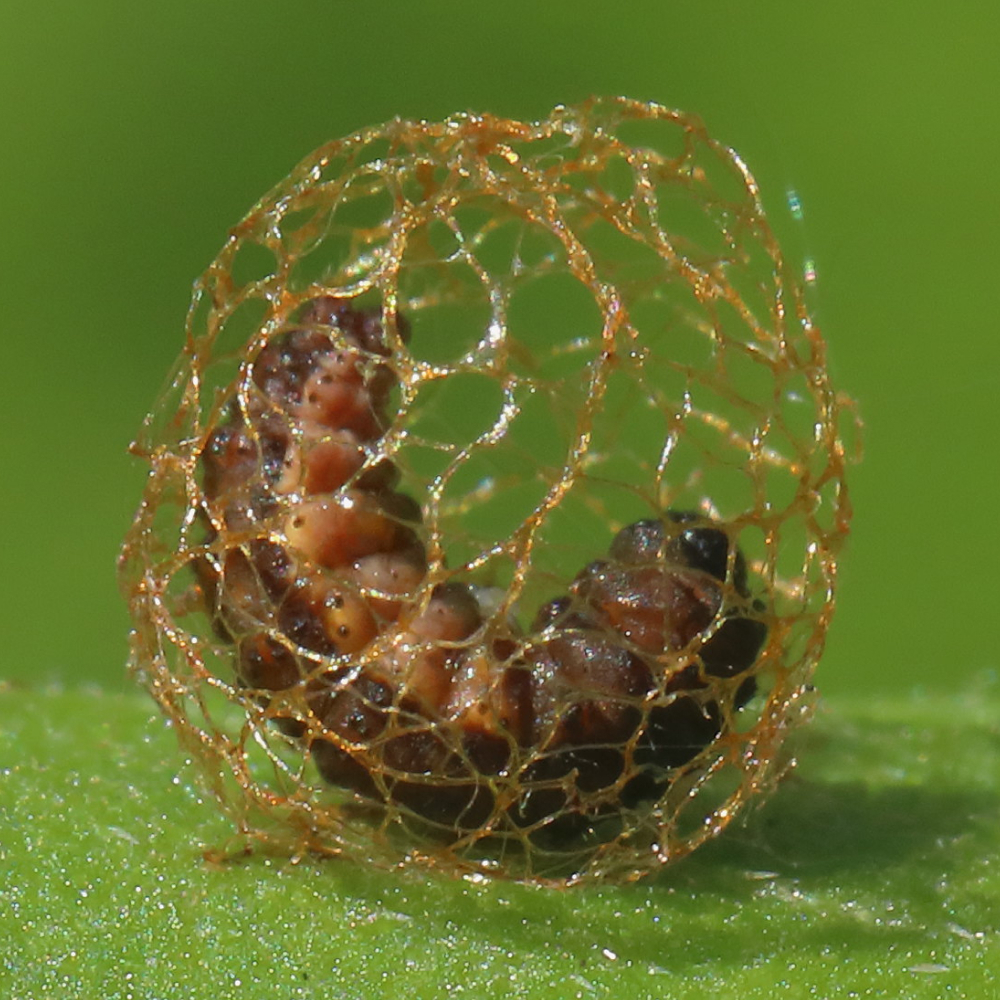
{"x": 817, "y": 829}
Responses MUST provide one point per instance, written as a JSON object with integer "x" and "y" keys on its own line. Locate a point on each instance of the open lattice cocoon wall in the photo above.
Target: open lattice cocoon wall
{"x": 494, "y": 505}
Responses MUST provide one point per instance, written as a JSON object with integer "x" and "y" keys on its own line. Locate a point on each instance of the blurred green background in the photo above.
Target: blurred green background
{"x": 133, "y": 136}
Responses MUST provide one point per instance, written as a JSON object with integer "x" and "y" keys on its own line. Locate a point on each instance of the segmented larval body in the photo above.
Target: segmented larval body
{"x": 415, "y": 695}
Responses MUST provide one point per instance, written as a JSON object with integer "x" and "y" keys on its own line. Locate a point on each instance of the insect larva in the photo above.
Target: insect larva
{"x": 571, "y": 716}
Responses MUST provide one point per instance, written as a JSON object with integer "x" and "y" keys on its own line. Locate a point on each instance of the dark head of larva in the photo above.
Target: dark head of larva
{"x": 511, "y": 529}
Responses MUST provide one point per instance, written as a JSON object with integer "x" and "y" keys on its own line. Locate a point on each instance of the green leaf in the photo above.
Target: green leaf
{"x": 874, "y": 871}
